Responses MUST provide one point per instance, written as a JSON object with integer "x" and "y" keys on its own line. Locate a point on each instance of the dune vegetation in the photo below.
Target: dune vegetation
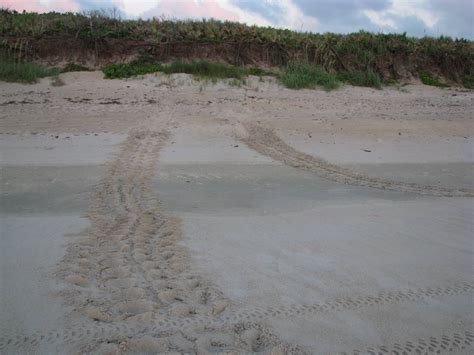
{"x": 231, "y": 49}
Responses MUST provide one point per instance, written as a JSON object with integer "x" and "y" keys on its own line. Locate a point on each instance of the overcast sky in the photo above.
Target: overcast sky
{"x": 416, "y": 17}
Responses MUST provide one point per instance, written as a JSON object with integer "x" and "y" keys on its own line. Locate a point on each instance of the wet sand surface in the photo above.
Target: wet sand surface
{"x": 46, "y": 182}
{"x": 430, "y": 161}
{"x": 30, "y": 248}
{"x": 162, "y": 214}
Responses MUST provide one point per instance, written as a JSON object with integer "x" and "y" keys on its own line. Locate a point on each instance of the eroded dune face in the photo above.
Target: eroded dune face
{"x": 226, "y": 220}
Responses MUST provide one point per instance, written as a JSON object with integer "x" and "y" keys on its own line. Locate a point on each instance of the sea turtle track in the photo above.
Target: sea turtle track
{"x": 265, "y": 141}
{"x": 128, "y": 268}
{"x": 132, "y": 288}
{"x": 443, "y": 343}
{"x": 251, "y": 318}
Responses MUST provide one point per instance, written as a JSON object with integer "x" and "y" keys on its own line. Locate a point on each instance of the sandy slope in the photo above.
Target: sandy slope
{"x": 265, "y": 237}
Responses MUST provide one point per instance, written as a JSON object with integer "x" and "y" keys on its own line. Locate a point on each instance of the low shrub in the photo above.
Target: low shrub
{"x": 71, "y": 67}
{"x": 205, "y": 69}
{"x": 468, "y": 81}
{"x": 428, "y": 79}
{"x": 199, "y": 68}
{"x": 24, "y": 72}
{"x": 126, "y": 70}
{"x": 367, "y": 78}
{"x": 303, "y": 75}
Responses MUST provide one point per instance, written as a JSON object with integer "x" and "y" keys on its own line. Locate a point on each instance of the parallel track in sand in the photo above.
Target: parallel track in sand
{"x": 247, "y": 318}
{"x": 132, "y": 288}
{"x": 128, "y": 270}
{"x": 266, "y": 142}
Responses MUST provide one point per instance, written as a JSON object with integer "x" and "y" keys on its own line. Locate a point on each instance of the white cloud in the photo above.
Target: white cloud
{"x": 135, "y": 7}
{"x": 402, "y": 9}
{"x": 248, "y": 17}
{"x": 417, "y": 8}
{"x": 294, "y": 18}
{"x": 380, "y": 19}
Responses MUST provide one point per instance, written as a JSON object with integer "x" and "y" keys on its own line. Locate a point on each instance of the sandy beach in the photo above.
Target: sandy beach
{"x": 166, "y": 214}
